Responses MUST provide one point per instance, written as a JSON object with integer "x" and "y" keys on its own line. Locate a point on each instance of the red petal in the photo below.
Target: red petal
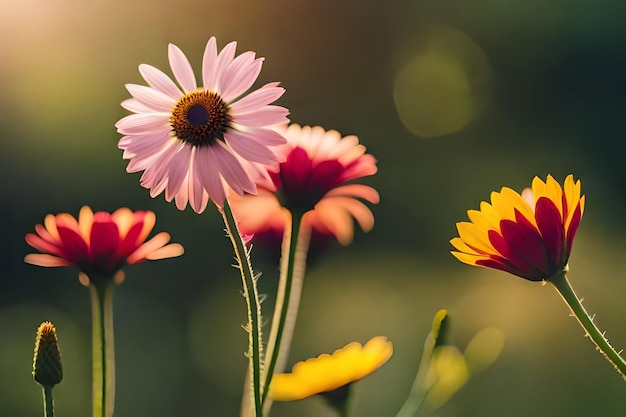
{"x": 521, "y": 244}
{"x": 129, "y": 244}
{"x": 73, "y": 244}
{"x": 105, "y": 241}
{"x": 324, "y": 176}
{"x": 504, "y": 265}
{"x": 551, "y": 228}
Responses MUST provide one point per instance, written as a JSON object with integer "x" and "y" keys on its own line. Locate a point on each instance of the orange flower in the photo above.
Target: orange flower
{"x": 312, "y": 179}
{"x": 99, "y": 244}
{"x": 528, "y": 235}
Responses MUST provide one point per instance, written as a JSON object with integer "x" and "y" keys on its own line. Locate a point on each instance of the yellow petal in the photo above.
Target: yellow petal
{"x": 85, "y": 222}
{"x": 330, "y": 372}
{"x": 468, "y": 258}
{"x": 474, "y": 236}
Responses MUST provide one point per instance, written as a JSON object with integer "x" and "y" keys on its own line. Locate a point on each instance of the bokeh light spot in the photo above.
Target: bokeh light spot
{"x": 444, "y": 86}
{"x": 484, "y": 349}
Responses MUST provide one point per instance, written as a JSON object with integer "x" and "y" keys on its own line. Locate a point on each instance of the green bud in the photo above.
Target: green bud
{"x": 47, "y": 367}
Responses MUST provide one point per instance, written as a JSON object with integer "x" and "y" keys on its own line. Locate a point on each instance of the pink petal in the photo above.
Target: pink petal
{"x": 154, "y": 99}
{"x": 356, "y": 190}
{"x": 214, "y": 70}
{"x": 42, "y": 259}
{"x": 266, "y": 116}
{"x": 265, "y": 95}
{"x": 181, "y": 68}
{"x": 158, "y": 80}
{"x": 141, "y": 163}
{"x": 206, "y": 166}
{"x": 143, "y": 145}
{"x": 239, "y": 76}
{"x": 43, "y": 245}
{"x": 361, "y": 213}
{"x": 249, "y": 147}
{"x": 170, "y": 251}
{"x": 143, "y": 123}
{"x": 209, "y": 61}
{"x": 151, "y": 245}
{"x": 198, "y": 197}
{"x": 179, "y": 167}
{"x": 364, "y": 166}
{"x": 134, "y": 105}
{"x": 182, "y": 197}
{"x": 43, "y": 232}
{"x": 156, "y": 173}
{"x": 232, "y": 171}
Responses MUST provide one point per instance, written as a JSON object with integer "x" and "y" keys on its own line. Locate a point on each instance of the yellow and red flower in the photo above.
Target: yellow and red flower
{"x": 529, "y": 235}
{"x": 328, "y": 373}
{"x": 101, "y": 243}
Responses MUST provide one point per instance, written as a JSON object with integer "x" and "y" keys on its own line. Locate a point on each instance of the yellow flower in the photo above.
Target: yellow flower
{"x": 528, "y": 235}
{"x": 330, "y": 372}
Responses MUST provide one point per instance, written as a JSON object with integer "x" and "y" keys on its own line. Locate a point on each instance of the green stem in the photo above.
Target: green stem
{"x": 419, "y": 388}
{"x": 564, "y": 288}
{"x": 48, "y": 401}
{"x": 103, "y": 349}
{"x": 293, "y": 261}
{"x": 251, "y": 294}
{"x": 420, "y": 385}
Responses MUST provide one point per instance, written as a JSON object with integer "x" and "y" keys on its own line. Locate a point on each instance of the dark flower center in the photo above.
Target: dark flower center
{"x": 200, "y": 118}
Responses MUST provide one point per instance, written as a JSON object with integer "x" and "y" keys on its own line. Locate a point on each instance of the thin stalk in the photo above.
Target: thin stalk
{"x": 420, "y": 385}
{"x": 103, "y": 349}
{"x": 564, "y": 288}
{"x": 293, "y": 263}
{"x": 48, "y": 401}
{"x": 420, "y": 388}
{"x": 251, "y": 294}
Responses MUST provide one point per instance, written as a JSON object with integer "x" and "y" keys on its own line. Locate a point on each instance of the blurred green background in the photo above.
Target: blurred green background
{"x": 455, "y": 99}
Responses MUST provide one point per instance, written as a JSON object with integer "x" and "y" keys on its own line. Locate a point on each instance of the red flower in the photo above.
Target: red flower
{"x": 99, "y": 244}
{"x": 312, "y": 179}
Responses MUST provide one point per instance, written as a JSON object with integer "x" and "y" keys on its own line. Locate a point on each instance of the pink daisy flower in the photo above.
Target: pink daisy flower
{"x": 99, "y": 244}
{"x": 312, "y": 179}
{"x": 194, "y": 142}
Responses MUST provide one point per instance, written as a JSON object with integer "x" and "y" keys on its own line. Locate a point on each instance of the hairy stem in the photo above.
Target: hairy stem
{"x": 564, "y": 288}
{"x": 251, "y": 294}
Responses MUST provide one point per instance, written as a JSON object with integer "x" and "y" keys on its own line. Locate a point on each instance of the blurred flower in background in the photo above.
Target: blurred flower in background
{"x": 100, "y": 243}
{"x": 313, "y": 179}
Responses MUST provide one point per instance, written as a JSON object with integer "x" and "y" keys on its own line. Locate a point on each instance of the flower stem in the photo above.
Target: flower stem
{"x": 293, "y": 263}
{"x": 564, "y": 288}
{"x": 103, "y": 349}
{"x": 420, "y": 388}
{"x": 420, "y": 385}
{"x": 251, "y": 294}
{"x": 48, "y": 401}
